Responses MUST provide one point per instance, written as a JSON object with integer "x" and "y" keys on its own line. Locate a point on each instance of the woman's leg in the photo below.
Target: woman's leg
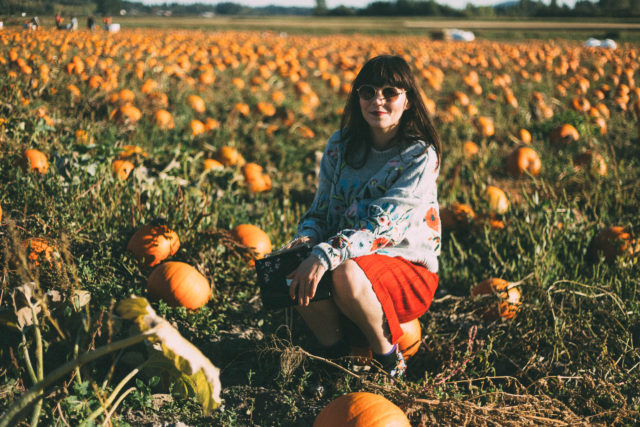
{"x": 323, "y": 318}
{"x": 354, "y": 296}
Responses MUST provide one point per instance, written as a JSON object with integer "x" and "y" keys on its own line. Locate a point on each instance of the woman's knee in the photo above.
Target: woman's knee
{"x": 349, "y": 280}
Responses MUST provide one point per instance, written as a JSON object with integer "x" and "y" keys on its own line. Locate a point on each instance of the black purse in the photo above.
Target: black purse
{"x": 272, "y": 277}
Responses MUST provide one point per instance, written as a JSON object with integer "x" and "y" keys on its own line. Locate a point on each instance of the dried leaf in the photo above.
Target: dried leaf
{"x": 196, "y": 369}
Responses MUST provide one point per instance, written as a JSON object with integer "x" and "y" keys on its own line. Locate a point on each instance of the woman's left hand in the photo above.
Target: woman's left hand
{"x": 305, "y": 279}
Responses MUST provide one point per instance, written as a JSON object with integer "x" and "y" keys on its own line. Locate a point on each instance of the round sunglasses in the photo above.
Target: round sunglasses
{"x": 369, "y": 92}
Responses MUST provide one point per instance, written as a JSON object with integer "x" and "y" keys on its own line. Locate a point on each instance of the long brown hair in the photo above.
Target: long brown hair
{"x": 415, "y": 125}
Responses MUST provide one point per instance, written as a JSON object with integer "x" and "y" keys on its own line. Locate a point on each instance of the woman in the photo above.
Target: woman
{"x": 374, "y": 220}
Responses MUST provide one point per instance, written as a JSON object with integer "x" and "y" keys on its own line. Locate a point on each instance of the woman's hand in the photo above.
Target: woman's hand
{"x": 302, "y": 240}
{"x": 305, "y": 279}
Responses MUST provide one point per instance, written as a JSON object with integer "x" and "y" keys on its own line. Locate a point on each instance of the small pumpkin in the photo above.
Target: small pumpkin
{"x": 230, "y": 156}
{"x": 122, "y": 168}
{"x": 456, "y": 215}
{"x": 178, "y": 284}
{"x": 258, "y": 180}
{"x": 36, "y": 160}
{"x": 164, "y": 119}
{"x": 508, "y": 298}
{"x": 410, "y": 341}
{"x": 470, "y": 149}
{"x": 524, "y": 136}
{"x": 212, "y": 164}
{"x": 591, "y": 162}
{"x": 497, "y": 200}
{"x": 153, "y": 243}
{"x": 523, "y": 159}
{"x": 614, "y": 242}
{"x": 564, "y": 134}
{"x": 39, "y": 249}
{"x": 196, "y": 103}
{"x": 253, "y": 237}
{"x": 361, "y": 409}
{"x": 485, "y": 126}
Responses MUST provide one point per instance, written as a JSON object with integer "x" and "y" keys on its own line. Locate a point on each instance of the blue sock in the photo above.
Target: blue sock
{"x": 392, "y": 351}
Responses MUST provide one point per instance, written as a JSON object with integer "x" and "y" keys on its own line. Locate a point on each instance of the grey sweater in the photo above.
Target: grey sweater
{"x": 389, "y": 206}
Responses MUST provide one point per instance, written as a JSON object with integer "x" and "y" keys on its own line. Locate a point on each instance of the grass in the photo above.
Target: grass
{"x": 570, "y": 356}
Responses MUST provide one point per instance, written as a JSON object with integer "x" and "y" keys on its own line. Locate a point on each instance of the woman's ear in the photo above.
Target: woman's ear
{"x": 407, "y": 104}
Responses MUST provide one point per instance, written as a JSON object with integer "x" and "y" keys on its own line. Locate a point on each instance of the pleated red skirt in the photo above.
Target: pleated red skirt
{"x": 405, "y": 289}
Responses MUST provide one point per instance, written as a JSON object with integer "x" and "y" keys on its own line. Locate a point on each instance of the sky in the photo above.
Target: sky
{"x": 334, "y": 3}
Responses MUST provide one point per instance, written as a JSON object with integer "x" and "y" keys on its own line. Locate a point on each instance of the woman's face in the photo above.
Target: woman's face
{"x": 383, "y": 109}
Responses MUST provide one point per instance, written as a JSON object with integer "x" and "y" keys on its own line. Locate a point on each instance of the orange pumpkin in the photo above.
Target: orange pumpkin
{"x": 524, "y": 136}
{"x": 152, "y": 244}
{"x": 164, "y": 119}
{"x": 523, "y": 159}
{"x": 196, "y": 103}
{"x": 564, "y": 134}
{"x": 410, "y": 341}
{"x": 253, "y": 237}
{"x": 39, "y": 249}
{"x": 212, "y": 164}
{"x": 470, "y": 149}
{"x": 591, "y": 162}
{"x": 613, "y": 242}
{"x": 497, "y": 200}
{"x": 230, "y": 156}
{"x": 0, "y": 213}
{"x": 361, "y": 409}
{"x": 456, "y": 215}
{"x": 485, "y": 126}
{"x": 197, "y": 127}
{"x": 122, "y": 168}
{"x": 507, "y": 294}
{"x": 36, "y": 160}
{"x": 257, "y": 180}
{"x": 178, "y": 284}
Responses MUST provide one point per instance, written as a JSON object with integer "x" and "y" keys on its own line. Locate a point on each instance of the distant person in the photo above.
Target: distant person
{"x": 59, "y": 20}
{"x": 91, "y": 22}
{"x": 35, "y": 23}
{"x": 107, "y": 22}
{"x": 73, "y": 26}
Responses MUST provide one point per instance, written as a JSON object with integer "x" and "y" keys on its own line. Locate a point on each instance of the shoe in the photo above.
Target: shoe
{"x": 394, "y": 363}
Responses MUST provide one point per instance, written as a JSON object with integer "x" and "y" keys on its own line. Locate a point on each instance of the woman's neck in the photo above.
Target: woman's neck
{"x": 383, "y": 138}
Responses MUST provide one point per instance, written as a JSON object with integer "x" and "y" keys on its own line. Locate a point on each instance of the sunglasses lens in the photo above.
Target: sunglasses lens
{"x": 367, "y": 92}
{"x": 390, "y": 93}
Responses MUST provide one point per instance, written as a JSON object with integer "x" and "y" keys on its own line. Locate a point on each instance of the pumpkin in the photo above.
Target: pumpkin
{"x": 164, "y": 119}
{"x": 39, "y": 249}
{"x": 523, "y": 159}
{"x": 524, "y": 136}
{"x": 456, "y": 215}
{"x": 229, "y": 156}
{"x": 212, "y": 164}
{"x": 178, "y": 284}
{"x": 564, "y": 134}
{"x": 197, "y": 127}
{"x": 497, "y": 200}
{"x": 409, "y": 342}
{"x": 508, "y": 298}
{"x": 253, "y": 237}
{"x": 485, "y": 126}
{"x": 122, "y": 168}
{"x": 591, "y": 162}
{"x": 257, "y": 180}
{"x": 128, "y": 113}
{"x": 152, "y": 244}
{"x": 470, "y": 149}
{"x": 614, "y": 242}
{"x": 0, "y": 213}
{"x": 36, "y": 160}
{"x": 361, "y": 409}
{"x": 132, "y": 150}
{"x": 196, "y": 103}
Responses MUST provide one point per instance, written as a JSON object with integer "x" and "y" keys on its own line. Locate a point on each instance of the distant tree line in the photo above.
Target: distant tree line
{"x": 514, "y": 8}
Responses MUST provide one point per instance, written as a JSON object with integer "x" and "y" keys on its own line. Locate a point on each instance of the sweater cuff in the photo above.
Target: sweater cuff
{"x": 322, "y": 257}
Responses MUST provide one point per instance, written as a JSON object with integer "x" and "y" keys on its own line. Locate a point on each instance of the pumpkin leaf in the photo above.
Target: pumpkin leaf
{"x": 197, "y": 371}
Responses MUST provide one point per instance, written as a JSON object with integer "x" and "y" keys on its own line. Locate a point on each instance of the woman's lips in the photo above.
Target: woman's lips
{"x": 378, "y": 113}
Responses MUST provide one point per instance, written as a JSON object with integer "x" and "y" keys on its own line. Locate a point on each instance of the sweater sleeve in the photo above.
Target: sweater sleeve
{"x": 314, "y": 222}
{"x": 388, "y": 217}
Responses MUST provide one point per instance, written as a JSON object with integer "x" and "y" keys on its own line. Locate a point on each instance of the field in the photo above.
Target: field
{"x": 202, "y": 129}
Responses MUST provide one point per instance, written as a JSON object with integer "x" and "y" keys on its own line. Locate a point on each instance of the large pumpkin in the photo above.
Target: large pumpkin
{"x": 152, "y": 244}
{"x": 361, "y": 409}
{"x": 254, "y": 237}
{"x": 507, "y": 294}
{"x": 409, "y": 342}
{"x": 178, "y": 284}
{"x": 122, "y": 168}
{"x": 36, "y": 160}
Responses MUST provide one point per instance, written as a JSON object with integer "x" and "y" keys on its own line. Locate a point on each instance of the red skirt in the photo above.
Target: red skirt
{"x": 405, "y": 289}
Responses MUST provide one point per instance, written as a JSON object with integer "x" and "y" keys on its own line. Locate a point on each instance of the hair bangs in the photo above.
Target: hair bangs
{"x": 385, "y": 71}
